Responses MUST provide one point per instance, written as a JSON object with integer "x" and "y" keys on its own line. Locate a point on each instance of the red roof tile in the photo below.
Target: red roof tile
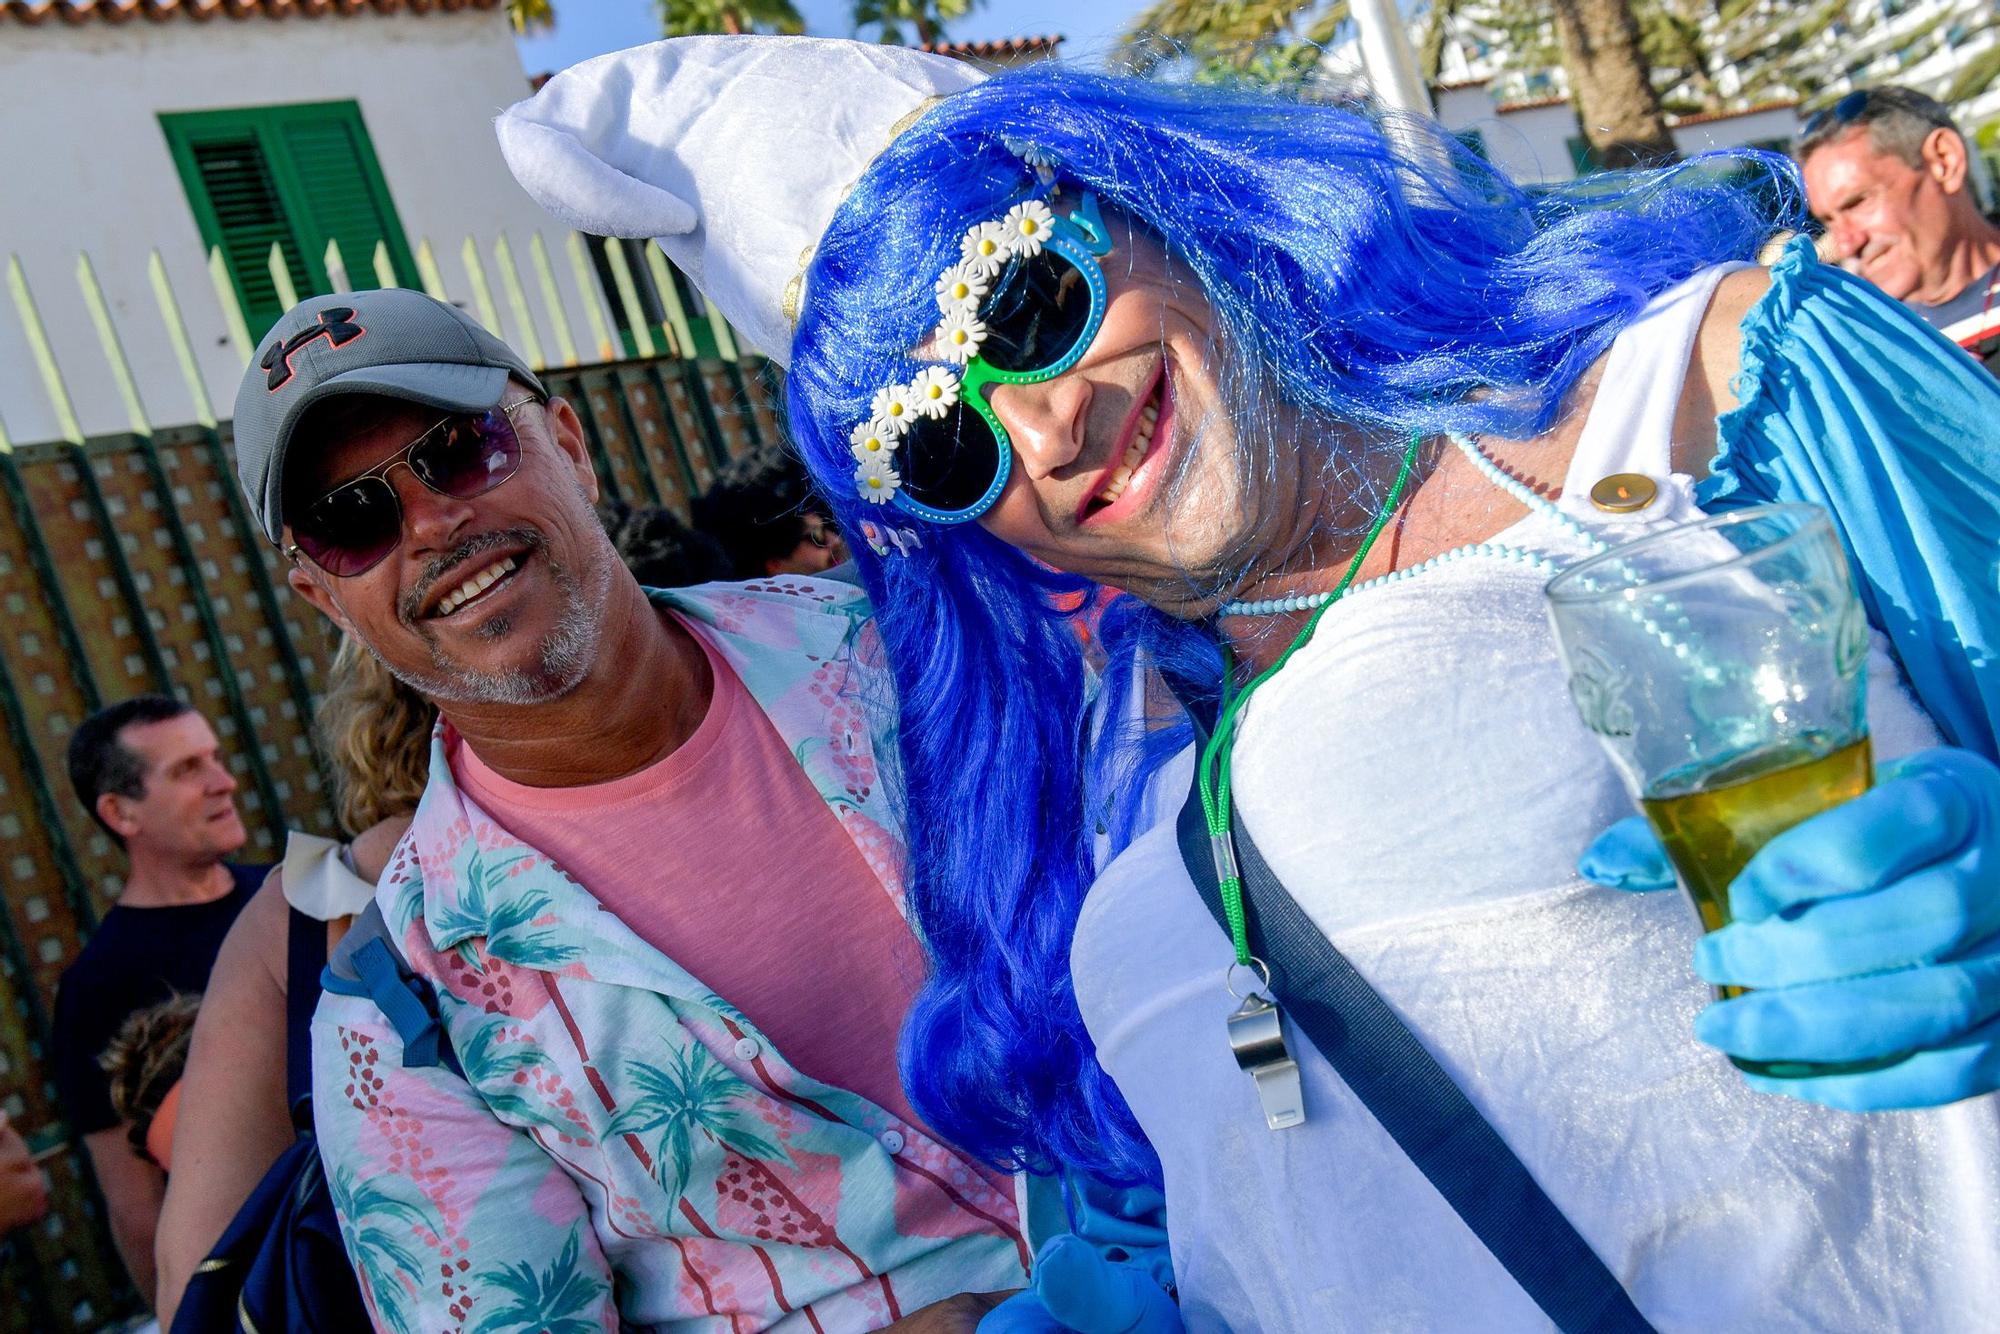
{"x": 1704, "y": 117}
{"x": 77, "y": 12}
{"x": 1005, "y": 48}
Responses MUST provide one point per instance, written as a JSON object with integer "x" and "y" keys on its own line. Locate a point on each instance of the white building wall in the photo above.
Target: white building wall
{"x": 1755, "y": 127}
{"x": 1530, "y": 144}
{"x": 86, "y": 168}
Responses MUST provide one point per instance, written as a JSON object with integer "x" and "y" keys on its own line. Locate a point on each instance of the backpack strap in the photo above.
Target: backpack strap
{"x": 305, "y": 958}
{"x": 368, "y": 963}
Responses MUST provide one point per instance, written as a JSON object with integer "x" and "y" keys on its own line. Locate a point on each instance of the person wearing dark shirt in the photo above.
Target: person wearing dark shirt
{"x": 1889, "y": 175}
{"x": 150, "y": 772}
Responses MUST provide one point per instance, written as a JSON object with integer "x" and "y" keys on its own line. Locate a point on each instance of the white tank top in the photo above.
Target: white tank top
{"x": 1419, "y": 779}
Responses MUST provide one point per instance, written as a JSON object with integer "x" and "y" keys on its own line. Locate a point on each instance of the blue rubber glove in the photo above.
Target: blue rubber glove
{"x": 1627, "y": 856}
{"x": 1870, "y": 929}
{"x": 1077, "y": 1289}
{"x": 1108, "y": 1275}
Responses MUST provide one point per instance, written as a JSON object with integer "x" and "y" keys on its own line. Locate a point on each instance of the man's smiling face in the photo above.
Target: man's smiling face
{"x": 495, "y": 599}
{"x": 1888, "y": 220}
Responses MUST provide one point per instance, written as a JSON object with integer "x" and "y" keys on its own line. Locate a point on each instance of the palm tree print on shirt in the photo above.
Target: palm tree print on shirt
{"x": 379, "y": 1225}
{"x": 561, "y": 1299}
{"x": 695, "y": 1094}
{"x": 510, "y": 927}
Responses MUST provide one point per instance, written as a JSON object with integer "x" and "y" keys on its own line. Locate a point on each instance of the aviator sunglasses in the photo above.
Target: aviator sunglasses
{"x": 350, "y": 529}
{"x": 1017, "y": 311}
{"x": 1868, "y": 104}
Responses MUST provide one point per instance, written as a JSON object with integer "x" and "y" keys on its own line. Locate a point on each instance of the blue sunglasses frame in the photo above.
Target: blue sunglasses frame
{"x": 1081, "y": 239}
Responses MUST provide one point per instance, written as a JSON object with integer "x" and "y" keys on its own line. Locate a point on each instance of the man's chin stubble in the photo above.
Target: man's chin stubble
{"x": 566, "y": 658}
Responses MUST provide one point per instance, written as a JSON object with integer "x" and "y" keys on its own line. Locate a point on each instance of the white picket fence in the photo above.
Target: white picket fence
{"x": 674, "y": 336}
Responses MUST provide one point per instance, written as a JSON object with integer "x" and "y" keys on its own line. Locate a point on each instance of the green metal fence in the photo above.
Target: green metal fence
{"x": 129, "y": 563}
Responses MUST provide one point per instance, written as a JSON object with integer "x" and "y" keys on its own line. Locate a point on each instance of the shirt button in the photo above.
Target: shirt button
{"x": 747, "y": 1049}
{"x": 892, "y": 1140}
{"x": 1624, "y": 492}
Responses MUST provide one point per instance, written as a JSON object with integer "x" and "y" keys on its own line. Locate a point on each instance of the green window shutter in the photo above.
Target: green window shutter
{"x": 299, "y": 176}
{"x": 235, "y": 181}
{"x": 339, "y": 190}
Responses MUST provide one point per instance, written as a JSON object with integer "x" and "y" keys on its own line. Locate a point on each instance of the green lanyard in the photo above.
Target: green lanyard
{"x": 1214, "y": 767}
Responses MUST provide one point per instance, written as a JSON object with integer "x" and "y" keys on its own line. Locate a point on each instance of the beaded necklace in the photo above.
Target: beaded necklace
{"x": 1495, "y": 550}
{"x": 1255, "y": 1034}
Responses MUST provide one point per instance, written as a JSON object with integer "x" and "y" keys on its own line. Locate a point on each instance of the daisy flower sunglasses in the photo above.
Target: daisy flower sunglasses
{"x": 1020, "y": 306}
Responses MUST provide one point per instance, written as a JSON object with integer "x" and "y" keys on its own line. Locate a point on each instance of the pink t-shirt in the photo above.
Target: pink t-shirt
{"x": 724, "y": 858}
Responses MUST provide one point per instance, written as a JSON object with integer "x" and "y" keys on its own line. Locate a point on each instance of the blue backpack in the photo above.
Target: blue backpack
{"x": 281, "y": 1265}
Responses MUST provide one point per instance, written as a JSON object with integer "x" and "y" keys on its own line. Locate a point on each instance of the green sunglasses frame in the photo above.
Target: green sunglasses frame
{"x": 1081, "y": 238}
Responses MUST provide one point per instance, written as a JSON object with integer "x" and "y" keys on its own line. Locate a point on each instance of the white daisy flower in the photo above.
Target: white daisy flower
{"x": 1027, "y": 152}
{"x": 877, "y": 480}
{"x": 893, "y": 407}
{"x": 936, "y": 391}
{"x": 960, "y": 336}
{"x": 869, "y": 439}
{"x": 962, "y": 285}
{"x": 985, "y": 247}
{"x": 1028, "y": 224}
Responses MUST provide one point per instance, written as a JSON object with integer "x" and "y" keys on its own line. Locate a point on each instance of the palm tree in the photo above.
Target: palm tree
{"x": 927, "y": 17}
{"x": 509, "y": 929}
{"x": 1270, "y": 41}
{"x": 686, "y": 18}
{"x": 561, "y": 1299}
{"x": 1612, "y": 83}
{"x": 378, "y": 1223}
{"x": 696, "y": 1095}
{"x": 1598, "y": 41}
{"x": 491, "y": 1065}
{"x": 531, "y": 15}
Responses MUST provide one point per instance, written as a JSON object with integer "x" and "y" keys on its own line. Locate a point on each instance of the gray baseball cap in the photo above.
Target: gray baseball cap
{"x": 394, "y": 342}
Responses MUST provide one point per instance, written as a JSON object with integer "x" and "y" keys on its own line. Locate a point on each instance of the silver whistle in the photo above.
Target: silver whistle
{"x": 1258, "y": 1041}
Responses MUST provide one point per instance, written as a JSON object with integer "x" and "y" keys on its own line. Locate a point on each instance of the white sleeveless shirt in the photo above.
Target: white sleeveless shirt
{"x": 1418, "y": 778}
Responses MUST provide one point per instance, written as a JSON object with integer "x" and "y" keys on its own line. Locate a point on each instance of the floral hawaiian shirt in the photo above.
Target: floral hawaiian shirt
{"x": 625, "y": 1148}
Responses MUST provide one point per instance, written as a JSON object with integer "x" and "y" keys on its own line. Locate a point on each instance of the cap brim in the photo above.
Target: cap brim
{"x": 448, "y": 386}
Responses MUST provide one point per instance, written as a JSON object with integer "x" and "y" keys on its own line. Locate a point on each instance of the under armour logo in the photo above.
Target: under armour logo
{"x": 336, "y": 326}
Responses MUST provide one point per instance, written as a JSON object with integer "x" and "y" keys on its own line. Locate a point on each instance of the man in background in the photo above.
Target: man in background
{"x": 764, "y": 513}
{"x": 151, "y": 773}
{"x": 1890, "y": 176}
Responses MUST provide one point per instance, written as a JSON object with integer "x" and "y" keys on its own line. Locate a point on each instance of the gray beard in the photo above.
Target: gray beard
{"x": 565, "y": 657}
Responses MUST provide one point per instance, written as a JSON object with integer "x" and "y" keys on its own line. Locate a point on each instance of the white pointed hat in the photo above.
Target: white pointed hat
{"x": 732, "y": 152}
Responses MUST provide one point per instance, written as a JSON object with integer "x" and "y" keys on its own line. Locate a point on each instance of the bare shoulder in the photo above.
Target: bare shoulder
{"x": 1718, "y": 355}
{"x": 373, "y": 846}
{"x": 266, "y": 917}
{"x": 257, "y": 939}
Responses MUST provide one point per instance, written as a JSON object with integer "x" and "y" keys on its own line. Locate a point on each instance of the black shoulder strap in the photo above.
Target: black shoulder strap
{"x": 305, "y": 956}
{"x": 1410, "y": 1095}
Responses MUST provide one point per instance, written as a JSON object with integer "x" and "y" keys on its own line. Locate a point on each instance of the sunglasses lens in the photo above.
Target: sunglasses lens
{"x": 949, "y": 462}
{"x": 1037, "y": 311}
{"x": 468, "y": 456}
{"x": 351, "y": 528}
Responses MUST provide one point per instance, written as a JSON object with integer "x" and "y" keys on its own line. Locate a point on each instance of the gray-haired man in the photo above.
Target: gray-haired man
{"x": 1891, "y": 177}
{"x": 629, "y": 792}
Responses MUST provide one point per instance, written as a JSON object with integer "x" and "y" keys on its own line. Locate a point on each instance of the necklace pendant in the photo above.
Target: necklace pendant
{"x": 1257, "y": 1039}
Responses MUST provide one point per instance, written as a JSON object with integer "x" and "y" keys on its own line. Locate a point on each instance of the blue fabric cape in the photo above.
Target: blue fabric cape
{"x": 1852, "y": 403}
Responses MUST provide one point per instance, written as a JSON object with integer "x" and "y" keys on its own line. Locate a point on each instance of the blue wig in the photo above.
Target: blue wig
{"x": 1387, "y": 281}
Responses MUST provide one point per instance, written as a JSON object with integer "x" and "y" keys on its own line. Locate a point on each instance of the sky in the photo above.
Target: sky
{"x": 586, "y": 28}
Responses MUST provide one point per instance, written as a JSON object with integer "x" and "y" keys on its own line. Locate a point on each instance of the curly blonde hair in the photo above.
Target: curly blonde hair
{"x": 145, "y": 1059}
{"x": 377, "y": 732}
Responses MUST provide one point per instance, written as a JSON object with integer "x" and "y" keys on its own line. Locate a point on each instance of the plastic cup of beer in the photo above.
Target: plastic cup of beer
{"x": 1723, "y": 664}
